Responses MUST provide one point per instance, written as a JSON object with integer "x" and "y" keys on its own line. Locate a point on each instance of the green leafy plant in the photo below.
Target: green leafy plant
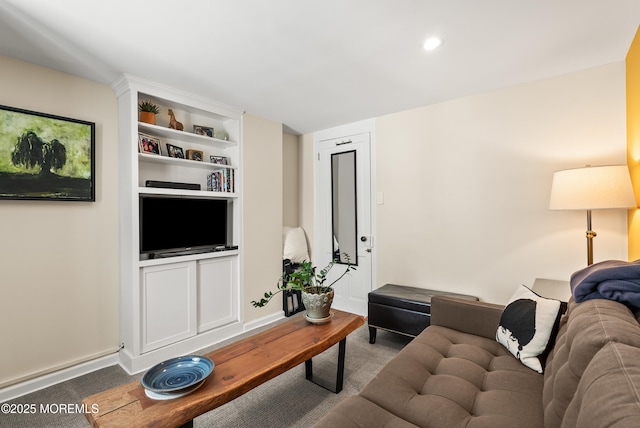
{"x": 148, "y": 106}
{"x": 305, "y": 278}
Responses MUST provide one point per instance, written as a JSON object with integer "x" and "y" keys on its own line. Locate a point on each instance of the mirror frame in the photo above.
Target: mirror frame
{"x": 344, "y": 202}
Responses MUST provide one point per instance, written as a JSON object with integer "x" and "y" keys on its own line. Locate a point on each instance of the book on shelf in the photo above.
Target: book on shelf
{"x": 221, "y": 181}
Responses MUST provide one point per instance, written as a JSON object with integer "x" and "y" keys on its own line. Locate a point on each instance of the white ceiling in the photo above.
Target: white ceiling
{"x": 317, "y": 64}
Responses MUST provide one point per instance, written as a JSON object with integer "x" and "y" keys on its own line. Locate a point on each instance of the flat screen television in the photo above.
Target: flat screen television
{"x": 173, "y": 225}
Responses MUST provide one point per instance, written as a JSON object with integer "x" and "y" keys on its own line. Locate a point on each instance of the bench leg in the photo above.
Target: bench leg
{"x": 308, "y": 369}
{"x": 187, "y": 425}
{"x": 372, "y": 334}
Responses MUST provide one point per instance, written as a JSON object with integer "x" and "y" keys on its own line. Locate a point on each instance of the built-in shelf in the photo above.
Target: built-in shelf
{"x": 183, "y": 192}
{"x": 161, "y": 131}
{"x": 144, "y": 157}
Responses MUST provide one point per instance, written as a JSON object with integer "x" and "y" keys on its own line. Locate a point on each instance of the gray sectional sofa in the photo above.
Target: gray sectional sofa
{"x": 455, "y": 374}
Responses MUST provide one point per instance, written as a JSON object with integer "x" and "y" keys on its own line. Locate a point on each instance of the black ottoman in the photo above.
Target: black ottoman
{"x": 402, "y": 309}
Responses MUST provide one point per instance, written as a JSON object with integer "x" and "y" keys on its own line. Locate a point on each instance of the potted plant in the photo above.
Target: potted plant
{"x": 148, "y": 111}
{"x": 316, "y": 296}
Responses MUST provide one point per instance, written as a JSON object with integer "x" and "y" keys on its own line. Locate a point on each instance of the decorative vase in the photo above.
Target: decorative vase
{"x": 148, "y": 117}
{"x": 318, "y": 306}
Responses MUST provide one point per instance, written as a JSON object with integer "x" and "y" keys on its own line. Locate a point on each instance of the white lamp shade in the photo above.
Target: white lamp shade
{"x": 592, "y": 188}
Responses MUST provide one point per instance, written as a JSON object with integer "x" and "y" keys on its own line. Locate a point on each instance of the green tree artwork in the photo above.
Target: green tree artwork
{"x": 45, "y": 157}
{"x": 31, "y": 151}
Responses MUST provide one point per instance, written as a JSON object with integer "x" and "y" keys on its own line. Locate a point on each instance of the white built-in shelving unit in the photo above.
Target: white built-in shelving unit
{"x": 172, "y": 306}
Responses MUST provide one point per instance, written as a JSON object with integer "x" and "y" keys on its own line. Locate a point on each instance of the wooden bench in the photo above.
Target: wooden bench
{"x": 239, "y": 367}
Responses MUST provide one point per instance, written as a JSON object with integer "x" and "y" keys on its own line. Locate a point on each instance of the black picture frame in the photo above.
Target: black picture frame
{"x": 46, "y": 157}
{"x": 175, "y": 151}
{"x": 292, "y": 302}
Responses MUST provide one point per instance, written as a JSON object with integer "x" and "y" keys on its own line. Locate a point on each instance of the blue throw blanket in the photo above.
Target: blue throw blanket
{"x": 612, "y": 279}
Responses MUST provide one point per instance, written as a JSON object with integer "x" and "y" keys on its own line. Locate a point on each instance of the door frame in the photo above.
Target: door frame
{"x": 362, "y": 127}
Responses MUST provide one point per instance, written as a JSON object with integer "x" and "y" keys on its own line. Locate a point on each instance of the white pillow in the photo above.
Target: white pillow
{"x": 527, "y": 326}
{"x": 295, "y": 245}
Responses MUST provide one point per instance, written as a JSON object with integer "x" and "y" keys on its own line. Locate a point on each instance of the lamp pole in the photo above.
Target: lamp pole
{"x": 590, "y": 235}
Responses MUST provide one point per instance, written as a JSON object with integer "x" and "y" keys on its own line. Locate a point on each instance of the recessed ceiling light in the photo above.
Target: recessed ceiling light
{"x": 432, "y": 43}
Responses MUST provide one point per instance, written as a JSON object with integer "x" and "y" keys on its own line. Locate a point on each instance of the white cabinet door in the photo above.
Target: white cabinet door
{"x": 217, "y": 292}
{"x": 168, "y": 304}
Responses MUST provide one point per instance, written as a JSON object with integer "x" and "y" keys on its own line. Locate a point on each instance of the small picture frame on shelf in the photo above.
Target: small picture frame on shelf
{"x": 220, "y": 160}
{"x": 174, "y": 151}
{"x": 203, "y": 130}
{"x": 195, "y": 155}
{"x": 148, "y": 144}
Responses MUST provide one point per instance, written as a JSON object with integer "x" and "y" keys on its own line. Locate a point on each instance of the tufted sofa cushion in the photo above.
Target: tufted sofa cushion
{"x": 584, "y": 330}
{"x": 448, "y": 378}
{"x": 358, "y": 412}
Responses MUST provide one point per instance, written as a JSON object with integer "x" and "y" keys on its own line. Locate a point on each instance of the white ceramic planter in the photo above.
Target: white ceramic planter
{"x": 318, "y": 306}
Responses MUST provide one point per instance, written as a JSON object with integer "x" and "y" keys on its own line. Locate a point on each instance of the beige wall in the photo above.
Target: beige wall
{"x": 306, "y": 188}
{"x": 59, "y": 260}
{"x": 290, "y": 180}
{"x": 261, "y": 244}
{"x": 632, "y": 65}
{"x": 466, "y": 185}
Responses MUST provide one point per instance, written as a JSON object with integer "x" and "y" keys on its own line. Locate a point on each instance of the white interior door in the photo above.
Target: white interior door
{"x": 343, "y": 217}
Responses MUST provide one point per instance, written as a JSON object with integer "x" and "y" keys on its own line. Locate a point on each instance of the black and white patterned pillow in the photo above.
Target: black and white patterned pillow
{"x": 528, "y": 326}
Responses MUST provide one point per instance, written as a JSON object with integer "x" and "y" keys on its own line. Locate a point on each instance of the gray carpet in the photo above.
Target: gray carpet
{"x": 288, "y": 400}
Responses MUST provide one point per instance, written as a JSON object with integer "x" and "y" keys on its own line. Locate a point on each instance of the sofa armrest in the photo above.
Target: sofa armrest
{"x": 473, "y": 317}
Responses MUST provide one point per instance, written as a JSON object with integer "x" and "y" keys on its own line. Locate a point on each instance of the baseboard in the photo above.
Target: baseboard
{"x": 261, "y": 322}
{"x": 45, "y": 381}
{"x": 137, "y": 364}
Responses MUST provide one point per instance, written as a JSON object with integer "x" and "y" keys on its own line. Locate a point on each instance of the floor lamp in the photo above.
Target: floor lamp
{"x": 592, "y": 188}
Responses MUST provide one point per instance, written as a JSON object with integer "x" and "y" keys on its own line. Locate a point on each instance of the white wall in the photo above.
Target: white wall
{"x": 59, "y": 260}
{"x": 466, "y": 185}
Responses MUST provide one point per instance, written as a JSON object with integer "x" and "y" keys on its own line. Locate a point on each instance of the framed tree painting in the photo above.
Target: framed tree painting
{"x": 46, "y": 157}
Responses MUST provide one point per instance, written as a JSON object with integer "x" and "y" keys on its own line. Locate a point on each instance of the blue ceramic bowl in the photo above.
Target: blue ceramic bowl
{"x": 177, "y": 373}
